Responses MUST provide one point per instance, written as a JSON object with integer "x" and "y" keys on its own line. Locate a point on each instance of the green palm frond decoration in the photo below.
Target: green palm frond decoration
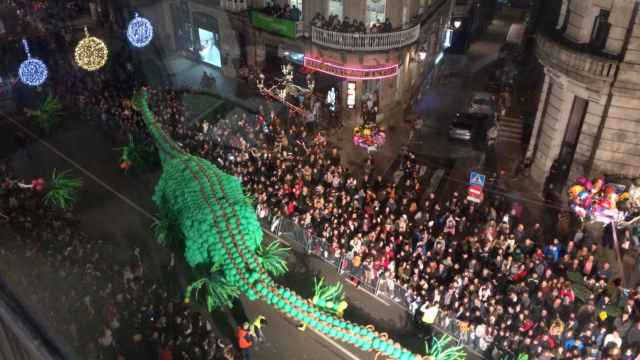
{"x": 165, "y": 231}
{"x": 440, "y": 351}
{"x": 324, "y": 293}
{"x": 47, "y": 117}
{"x": 138, "y": 155}
{"x": 217, "y": 291}
{"x": 273, "y": 258}
{"x": 62, "y": 190}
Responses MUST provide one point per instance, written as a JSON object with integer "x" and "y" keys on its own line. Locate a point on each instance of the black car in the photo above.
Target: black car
{"x": 470, "y": 127}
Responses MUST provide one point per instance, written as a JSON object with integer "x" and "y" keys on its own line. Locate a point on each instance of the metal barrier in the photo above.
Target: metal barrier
{"x": 360, "y": 274}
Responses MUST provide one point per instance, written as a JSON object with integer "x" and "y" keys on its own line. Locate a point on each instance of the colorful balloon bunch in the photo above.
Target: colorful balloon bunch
{"x": 596, "y": 198}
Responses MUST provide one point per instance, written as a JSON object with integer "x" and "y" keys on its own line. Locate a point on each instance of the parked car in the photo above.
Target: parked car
{"x": 470, "y": 127}
{"x": 483, "y": 102}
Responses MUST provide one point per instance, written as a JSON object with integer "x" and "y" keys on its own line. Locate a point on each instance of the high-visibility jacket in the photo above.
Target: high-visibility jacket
{"x": 243, "y": 339}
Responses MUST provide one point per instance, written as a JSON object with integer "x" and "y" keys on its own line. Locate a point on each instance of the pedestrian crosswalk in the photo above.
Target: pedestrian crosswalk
{"x": 510, "y": 129}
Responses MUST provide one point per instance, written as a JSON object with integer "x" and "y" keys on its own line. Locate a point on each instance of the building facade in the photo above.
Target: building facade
{"x": 587, "y": 122}
{"x": 389, "y": 65}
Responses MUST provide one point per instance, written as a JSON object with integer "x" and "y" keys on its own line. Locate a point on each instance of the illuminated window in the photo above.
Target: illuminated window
{"x": 296, "y": 3}
{"x": 336, "y": 7}
{"x": 375, "y": 11}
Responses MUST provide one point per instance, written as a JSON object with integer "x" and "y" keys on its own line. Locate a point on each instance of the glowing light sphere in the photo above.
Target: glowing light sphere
{"x": 91, "y": 53}
{"x": 139, "y": 32}
{"x": 33, "y": 71}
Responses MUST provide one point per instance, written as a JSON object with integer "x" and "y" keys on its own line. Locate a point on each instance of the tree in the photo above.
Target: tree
{"x": 62, "y": 190}
{"x": 47, "y": 117}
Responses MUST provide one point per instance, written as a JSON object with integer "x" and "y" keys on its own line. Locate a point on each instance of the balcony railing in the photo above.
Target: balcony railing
{"x": 365, "y": 42}
{"x": 283, "y": 27}
{"x": 234, "y": 5}
{"x": 573, "y": 61}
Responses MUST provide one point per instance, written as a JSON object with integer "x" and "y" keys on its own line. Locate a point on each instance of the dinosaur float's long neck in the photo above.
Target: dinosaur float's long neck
{"x": 167, "y": 147}
{"x": 241, "y": 264}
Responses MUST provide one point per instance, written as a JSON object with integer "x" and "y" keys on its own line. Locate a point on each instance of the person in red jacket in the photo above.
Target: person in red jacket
{"x": 245, "y": 341}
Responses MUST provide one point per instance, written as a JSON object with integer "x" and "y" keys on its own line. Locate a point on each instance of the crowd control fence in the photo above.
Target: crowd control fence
{"x": 377, "y": 283}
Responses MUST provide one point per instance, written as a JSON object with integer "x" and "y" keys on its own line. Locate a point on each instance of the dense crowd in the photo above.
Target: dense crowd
{"x": 334, "y": 23}
{"x": 501, "y": 286}
{"x": 284, "y": 12}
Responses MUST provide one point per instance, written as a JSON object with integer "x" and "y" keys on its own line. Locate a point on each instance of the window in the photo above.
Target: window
{"x": 600, "y": 31}
{"x": 335, "y": 8}
{"x": 375, "y": 11}
{"x": 371, "y": 86}
{"x": 297, "y": 4}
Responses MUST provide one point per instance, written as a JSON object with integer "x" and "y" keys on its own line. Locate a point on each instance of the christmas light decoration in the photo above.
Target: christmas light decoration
{"x": 139, "y": 31}
{"x": 91, "y": 53}
{"x": 33, "y": 71}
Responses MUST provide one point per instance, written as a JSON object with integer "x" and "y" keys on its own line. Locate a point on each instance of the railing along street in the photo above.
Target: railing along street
{"x": 377, "y": 283}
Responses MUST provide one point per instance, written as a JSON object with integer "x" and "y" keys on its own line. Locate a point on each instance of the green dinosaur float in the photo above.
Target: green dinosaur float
{"x": 222, "y": 233}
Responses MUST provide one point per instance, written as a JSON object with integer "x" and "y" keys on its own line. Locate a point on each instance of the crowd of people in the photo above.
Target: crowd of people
{"x": 334, "y": 23}
{"x": 289, "y": 12}
{"x": 502, "y": 287}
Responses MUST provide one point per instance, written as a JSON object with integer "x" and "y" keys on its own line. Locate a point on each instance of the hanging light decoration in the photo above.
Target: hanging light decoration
{"x": 139, "y": 31}
{"x": 91, "y": 53}
{"x": 33, "y": 71}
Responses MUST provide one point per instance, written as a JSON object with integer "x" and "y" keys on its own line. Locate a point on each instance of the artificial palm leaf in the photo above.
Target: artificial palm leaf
{"x": 62, "y": 190}
{"x": 439, "y": 350}
{"x": 273, "y": 258}
{"x": 323, "y": 292}
{"x": 165, "y": 231}
{"x": 48, "y": 115}
{"x": 137, "y": 155}
{"x": 213, "y": 290}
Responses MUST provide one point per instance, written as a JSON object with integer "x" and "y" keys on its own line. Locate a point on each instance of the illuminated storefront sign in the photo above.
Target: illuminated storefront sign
{"x": 351, "y": 94}
{"x": 353, "y": 73}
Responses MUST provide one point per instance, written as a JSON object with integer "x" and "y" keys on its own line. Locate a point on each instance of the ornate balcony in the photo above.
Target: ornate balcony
{"x": 234, "y": 5}
{"x": 365, "y": 42}
{"x": 580, "y": 65}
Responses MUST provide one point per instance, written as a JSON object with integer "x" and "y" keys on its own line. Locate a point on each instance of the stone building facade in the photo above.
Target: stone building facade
{"x": 387, "y": 66}
{"x": 588, "y": 118}
{"x": 390, "y": 66}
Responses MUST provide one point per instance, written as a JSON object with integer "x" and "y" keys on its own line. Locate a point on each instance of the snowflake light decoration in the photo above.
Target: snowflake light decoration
{"x": 139, "y": 31}
{"x": 33, "y": 71}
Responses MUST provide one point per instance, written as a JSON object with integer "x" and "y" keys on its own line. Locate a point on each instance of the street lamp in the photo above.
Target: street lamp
{"x": 457, "y": 23}
{"x": 422, "y": 55}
